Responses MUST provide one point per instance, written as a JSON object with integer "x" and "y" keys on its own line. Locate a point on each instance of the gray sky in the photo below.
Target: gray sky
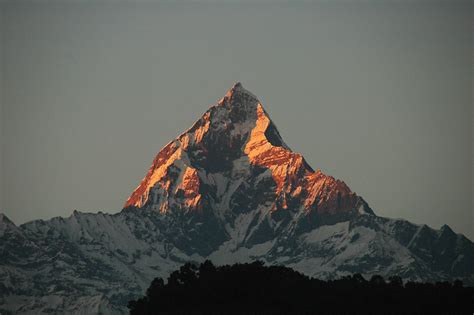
{"x": 376, "y": 93}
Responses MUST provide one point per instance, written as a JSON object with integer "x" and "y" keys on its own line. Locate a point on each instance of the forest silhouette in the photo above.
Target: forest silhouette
{"x": 253, "y": 288}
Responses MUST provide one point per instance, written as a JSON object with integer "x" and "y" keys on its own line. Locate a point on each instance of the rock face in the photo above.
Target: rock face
{"x": 228, "y": 189}
{"x": 232, "y": 157}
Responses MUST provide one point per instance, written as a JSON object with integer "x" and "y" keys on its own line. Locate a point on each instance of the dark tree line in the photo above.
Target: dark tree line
{"x": 256, "y": 289}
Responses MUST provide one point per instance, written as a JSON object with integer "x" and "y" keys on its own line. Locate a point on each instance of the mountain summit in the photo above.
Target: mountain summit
{"x": 234, "y": 159}
{"x": 230, "y": 190}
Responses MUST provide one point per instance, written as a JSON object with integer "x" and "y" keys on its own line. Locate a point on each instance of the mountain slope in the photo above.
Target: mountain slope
{"x": 228, "y": 189}
{"x": 233, "y": 145}
{"x": 233, "y": 168}
{"x": 88, "y": 263}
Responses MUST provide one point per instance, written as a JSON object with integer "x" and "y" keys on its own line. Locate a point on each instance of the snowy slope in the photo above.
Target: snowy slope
{"x": 228, "y": 189}
{"x": 91, "y": 263}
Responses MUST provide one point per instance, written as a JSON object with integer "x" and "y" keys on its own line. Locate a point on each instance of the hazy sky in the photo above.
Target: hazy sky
{"x": 375, "y": 93}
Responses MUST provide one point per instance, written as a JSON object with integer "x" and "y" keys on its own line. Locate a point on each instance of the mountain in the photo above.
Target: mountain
{"x": 228, "y": 189}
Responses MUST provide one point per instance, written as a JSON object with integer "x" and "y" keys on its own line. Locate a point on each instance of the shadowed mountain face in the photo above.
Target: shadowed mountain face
{"x": 230, "y": 190}
{"x": 235, "y": 148}
{"x": 233, "y": 162}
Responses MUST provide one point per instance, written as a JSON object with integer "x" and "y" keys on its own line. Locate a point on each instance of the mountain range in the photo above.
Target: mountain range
{"x": 228, "y": 189}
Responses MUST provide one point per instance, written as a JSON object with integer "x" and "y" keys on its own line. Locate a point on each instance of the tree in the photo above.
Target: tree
{"x": 395, "y": 281}
{"x": 255, "y": 288}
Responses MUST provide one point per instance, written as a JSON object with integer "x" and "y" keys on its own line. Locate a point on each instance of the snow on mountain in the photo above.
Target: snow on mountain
{"x": 227, "y": 189}
{"x": 236, "y": 143}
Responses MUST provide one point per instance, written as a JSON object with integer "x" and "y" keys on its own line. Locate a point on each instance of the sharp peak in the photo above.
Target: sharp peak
{"x": 446, "y": 228}
{"x": 4, "y": 218}
{"x": 238, "y": 88}
{"x": 237, "y": 85}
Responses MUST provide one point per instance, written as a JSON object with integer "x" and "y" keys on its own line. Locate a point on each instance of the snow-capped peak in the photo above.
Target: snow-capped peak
{"x": 4, "y": 220}
{"x": 237, "y": 142}
{"x": 238, "y": 88}
{"x": 7, "y": 225}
